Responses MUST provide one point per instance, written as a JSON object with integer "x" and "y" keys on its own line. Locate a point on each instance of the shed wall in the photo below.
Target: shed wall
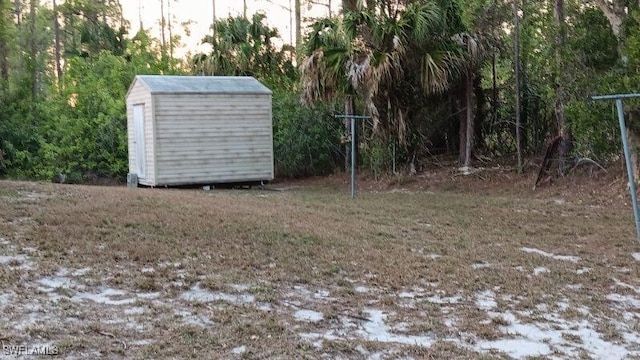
{"x": 212, "y": 138}
{"x": 140, "y": 95}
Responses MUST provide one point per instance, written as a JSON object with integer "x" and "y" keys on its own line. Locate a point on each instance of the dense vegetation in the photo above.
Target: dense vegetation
{"x": 437, "y": 76}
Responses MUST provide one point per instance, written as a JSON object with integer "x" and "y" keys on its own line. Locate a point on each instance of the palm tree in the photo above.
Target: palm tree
{"x": 374, "y": 52}
{"x": 240, "y": 47}
{"x": 323, "y": 70}
{"x": 474, "y": 55}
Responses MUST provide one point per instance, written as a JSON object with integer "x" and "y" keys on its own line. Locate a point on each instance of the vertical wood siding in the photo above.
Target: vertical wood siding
{"x": 202, "y": 138}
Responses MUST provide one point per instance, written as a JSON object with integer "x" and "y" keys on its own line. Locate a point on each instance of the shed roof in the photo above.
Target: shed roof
{"x": 166, "y": 84}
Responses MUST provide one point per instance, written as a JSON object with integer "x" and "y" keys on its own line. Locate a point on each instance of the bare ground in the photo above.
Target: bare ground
{"x": 434, "y": 266}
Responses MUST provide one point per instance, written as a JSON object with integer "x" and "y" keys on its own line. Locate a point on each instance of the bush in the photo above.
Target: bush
{"x": 595, "y": 130}
{"x": 306, "y": 138}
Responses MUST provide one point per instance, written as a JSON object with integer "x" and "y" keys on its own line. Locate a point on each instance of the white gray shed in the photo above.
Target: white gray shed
{"x": 199, "y": 130}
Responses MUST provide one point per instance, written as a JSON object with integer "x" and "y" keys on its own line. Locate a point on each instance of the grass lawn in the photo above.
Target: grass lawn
{"x": 417, "y": 272}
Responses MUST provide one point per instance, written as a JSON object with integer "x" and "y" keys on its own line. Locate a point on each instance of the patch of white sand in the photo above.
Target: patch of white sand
{"x": 6, "y": 259}
{"x": 202, "y": 295}
{"x": 239, "y": 350}
{"x": 574, "y": 287}
{"x": 142, "y": 342}
{"x": 627, "y": 300}
{"x": 153, "y": 295}
{"x": 553, "y": 337}
{"x": 486, "y": 300}
{"x": 437, "y": 299}
{"x": 134, "y": 311}
{"x": 540, "y": 270}
{"x": 55, "y": 282}
{"x": 477, "y": 266}
{"x": 321, "y": 294}
{"x": 240, "y": 287}
{"x": 373, "y": 329}
{"x": 377, "y": 330}
{"x": 192, "y": 319}
{"x": 625, "y": 285}
{"x": 549, "y": 255}
{"x": 104, "y": 297}
{"x": 308, "y": 315}
{"x": 516, "y": 348}
{"x": 583, "y": 270}
{"x": 81, "y": 272}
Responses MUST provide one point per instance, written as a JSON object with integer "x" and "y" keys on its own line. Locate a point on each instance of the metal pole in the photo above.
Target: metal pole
{"x": 627, "y": 156}
{"x": 353, "y": 157}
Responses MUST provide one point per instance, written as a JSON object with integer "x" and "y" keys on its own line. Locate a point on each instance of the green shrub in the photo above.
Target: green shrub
{"x": 306, "y": 138}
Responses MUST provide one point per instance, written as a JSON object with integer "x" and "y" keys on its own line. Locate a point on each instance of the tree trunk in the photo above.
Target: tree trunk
{"x": 33, "y": 50}
{"x": 371, "y": 5}
{"x": 244, "y": 8}
{"x": 162, "y": 27}
{"x": 56, "y": 29}
{"x": 169, "y": 28}
{"x": 467, "y": 125}
{"x": 614, "y": 12}
{"x": 516, "y": 63}
{"x": 565, "y": 145}
{"x": 298, "y": 25}
{"x": 4, "y": 49}
{"x": 524, "y": 84}
{"x": 18, "y": 10}
{"x": 349, "y": 5}
{"x": 481, "y": 102}
{"x": 494, "y": 92}
{"x": 121, "y": 14}
{"x": 213, "y": 26}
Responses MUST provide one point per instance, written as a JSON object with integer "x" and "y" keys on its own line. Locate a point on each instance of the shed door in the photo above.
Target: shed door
{"x": 138, "y": 126}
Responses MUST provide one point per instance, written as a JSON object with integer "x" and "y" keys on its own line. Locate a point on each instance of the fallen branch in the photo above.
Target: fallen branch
{"x": 588, "y": 161}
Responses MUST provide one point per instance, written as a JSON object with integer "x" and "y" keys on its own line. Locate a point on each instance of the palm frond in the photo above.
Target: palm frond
{"x": 473, "y": 49}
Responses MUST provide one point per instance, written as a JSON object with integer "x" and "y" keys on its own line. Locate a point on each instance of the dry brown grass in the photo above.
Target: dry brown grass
{"x": 420, "y": 256}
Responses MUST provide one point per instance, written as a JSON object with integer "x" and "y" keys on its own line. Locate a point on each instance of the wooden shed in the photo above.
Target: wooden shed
{"x": 199, "y": 130}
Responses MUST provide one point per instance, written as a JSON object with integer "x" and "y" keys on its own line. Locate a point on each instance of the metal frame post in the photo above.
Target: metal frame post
{"x": 627, "y": 156}
{"x": 353, "y": 119}
{"x": 627, "y": 152}
{"x": 353, "y": 157}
